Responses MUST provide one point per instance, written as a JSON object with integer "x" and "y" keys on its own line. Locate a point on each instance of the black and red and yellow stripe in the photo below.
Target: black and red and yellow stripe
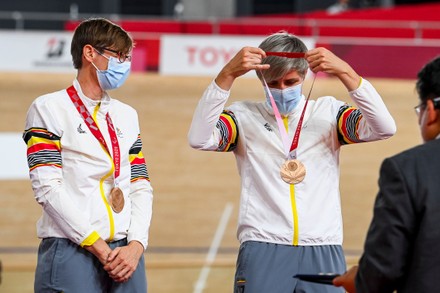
{"x": 348, "y": 119}
{"x": 227, "y": 125}
{"x": 43, "y": 148}
{"x": 137, "y": 162}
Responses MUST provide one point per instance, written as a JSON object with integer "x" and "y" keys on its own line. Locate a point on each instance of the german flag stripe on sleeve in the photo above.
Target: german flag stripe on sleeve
{"x": 137, "y": 162}
{"x": 227, "y": 125}
{"x": 43, "y": 148}
{"x": 348, "y": 123}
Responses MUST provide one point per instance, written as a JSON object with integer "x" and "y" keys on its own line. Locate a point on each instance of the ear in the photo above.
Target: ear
{"x": 89, "y": 53}
{"x": 433, "y": 115}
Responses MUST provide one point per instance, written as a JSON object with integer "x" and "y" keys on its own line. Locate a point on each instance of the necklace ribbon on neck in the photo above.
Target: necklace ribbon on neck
{"x": 289, "y": 151}
{"x": 292, "y": 171}
{"x": 91, "y": 124}
{"x": 116, "y": 197}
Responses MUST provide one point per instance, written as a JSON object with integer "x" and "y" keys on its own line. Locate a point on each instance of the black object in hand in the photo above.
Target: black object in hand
{"x": 322, "y": 278}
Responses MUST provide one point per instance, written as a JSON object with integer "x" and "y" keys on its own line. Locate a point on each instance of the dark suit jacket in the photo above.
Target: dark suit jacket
{"x": 402, "y": 248}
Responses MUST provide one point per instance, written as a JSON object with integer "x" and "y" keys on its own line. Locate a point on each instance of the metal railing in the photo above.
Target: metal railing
{"x": 315, "y": 25}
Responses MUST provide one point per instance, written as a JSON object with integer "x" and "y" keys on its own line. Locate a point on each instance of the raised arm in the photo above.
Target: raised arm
{"x": 211, "y": 128}
{"x": 321, "y": 59}
{"x": 372, "y": 120}
{"x": 248, "y": 58}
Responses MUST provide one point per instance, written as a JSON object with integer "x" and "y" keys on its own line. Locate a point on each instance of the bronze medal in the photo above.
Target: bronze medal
{"x": 116, "y": 199}
{"x": 293, "y": 171}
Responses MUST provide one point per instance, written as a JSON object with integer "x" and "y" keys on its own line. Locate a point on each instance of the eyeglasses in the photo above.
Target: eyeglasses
{"x": 121, "y": 56}
{"x": 418, "y": 108}
{"x": 435, "y": 101}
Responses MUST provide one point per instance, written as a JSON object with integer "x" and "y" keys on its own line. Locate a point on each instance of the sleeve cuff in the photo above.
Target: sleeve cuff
{"x": 92, "y": 238}
{"x": 362, "y": 83}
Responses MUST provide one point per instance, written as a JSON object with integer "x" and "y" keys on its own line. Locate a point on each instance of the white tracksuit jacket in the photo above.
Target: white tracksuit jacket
{"x": 308, "y": 213}
{"x": 72, "y": 174}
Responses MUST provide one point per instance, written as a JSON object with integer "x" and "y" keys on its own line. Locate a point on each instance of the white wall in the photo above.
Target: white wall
{"x": 36, "y": 51}
{"x": 204, "y": 54}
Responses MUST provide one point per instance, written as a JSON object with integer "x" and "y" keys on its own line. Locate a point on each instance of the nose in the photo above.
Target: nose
{"x": 282, "y": 86}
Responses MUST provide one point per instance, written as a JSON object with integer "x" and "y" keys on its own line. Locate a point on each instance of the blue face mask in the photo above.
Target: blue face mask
{"x": 287, "y": 99}
{"x": 115, "y": 75}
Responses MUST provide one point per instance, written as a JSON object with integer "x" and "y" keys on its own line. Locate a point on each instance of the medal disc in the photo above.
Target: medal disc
{"x": 293, "y": 172}
{"x": 116, "y": 199}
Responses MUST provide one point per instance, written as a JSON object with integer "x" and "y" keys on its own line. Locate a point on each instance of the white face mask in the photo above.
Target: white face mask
{"x": 115, "y": 75}
{"x": 287, "y": 99}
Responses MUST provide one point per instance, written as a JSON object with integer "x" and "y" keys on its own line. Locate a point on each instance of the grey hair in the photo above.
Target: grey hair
{"x": 280, "y": 66}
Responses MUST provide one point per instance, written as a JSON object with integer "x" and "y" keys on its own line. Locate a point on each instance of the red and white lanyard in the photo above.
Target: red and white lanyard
{"x": 290, "y": 152}
{"x": 91, "y": 124}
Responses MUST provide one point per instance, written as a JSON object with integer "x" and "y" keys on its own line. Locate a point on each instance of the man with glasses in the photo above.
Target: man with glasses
{"x": 88, "y": 173}
{"x": 422, "y": 104}
{"x": 401, "y": 248}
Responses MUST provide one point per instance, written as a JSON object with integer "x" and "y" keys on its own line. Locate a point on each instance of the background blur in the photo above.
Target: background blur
{"x": 180, "y": 46}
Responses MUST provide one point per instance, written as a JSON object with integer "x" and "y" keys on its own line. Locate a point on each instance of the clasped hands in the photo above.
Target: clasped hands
{"x": 121, "y": 262}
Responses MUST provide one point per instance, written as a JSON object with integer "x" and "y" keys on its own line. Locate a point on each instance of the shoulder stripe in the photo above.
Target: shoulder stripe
{"x": 227, "y": 125}
{"x": 43, "y": 148}
{"x": 348, "y": 123}
{"x": 137, "y": 162}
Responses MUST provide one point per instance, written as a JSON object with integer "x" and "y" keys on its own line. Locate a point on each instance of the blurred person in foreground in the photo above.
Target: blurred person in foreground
{"x": 290, "y": 218}
{"x": 88, "y": 173}
{"x": 338, "y": 7}
{"x": 400, "y": 252}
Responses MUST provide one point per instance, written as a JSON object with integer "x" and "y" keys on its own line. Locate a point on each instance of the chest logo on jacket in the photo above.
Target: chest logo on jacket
{"x": 119, "y": 133}
{"x": 79, "y": 129}
{"x": 267, "y": 126}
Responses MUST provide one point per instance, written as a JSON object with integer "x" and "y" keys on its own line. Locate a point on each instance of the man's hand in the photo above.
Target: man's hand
{"x": 247, "y": 59}
{"x": 347, "y": 280}
{"x": 122, "y": 261}
{"x": 100, "y": 249}
{"x": 321, "y": 59}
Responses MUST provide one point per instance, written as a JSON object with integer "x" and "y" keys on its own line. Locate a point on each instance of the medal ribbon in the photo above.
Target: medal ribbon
{"x": 294, "y": 145}
{"x": 91, "y": 124}
{"x": 287, "y": 54}
{"x": 290, "y": 152}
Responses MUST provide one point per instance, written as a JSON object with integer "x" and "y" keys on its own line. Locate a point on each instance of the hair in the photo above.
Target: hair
{"x": 99, "y": 33}
{"x": 280, "y": 66}
{"x": 428, "y": 80}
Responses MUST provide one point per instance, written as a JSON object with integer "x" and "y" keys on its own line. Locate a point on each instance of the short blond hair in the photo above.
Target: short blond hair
{"x": 280, "y": 66}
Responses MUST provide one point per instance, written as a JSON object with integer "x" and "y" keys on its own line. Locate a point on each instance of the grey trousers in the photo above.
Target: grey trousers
{"x": 63, "y": 266}
{"x": 268, "y": 268}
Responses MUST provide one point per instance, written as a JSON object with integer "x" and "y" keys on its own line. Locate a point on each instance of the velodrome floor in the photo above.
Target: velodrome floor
{"x": 192, "y": 238}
